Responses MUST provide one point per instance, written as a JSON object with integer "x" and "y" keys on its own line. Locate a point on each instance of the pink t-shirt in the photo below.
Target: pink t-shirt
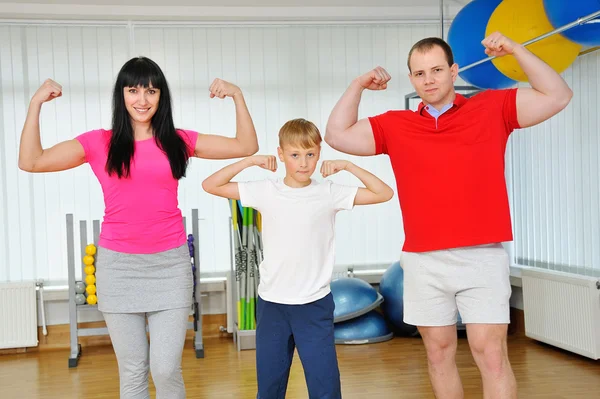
{"x": 142, "y": 212}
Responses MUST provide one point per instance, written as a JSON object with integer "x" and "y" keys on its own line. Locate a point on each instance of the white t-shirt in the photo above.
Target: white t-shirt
{"x": 298, "y": 233}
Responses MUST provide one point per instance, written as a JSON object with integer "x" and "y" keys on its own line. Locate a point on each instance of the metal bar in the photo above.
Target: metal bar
{"x": 198, "y": 341}
{"x": 563, "y": 28}
{"x": 74, "y": 343}
{"x": 40, "y": 286}
{"x": 82, "y": 244}
{"x": 442, "y": 19}
{"x": 90, "y": 332}
{"x": 96, "y": 231}
{"x": 233, "y": 288}
{"x": 590, "y": 50}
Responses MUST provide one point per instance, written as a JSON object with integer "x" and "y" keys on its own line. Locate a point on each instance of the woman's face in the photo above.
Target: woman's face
{"x": 141, "y": 102}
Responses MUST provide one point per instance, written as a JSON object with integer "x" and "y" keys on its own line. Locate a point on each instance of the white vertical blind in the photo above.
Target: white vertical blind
{"x": 555, "y": 174}
{"x": 285, "y": 71}
{"x": 84, "y": 60}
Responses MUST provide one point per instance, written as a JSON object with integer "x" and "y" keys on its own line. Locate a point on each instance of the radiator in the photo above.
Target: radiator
{"x": 563, "y": 310}
{"x": 18, "y": 315}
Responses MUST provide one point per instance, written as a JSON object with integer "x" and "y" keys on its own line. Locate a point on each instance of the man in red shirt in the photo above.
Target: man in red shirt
{"x": 448, "y": 160}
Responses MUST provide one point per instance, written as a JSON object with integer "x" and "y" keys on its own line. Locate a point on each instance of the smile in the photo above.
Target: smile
{"x": 142, "y": 110}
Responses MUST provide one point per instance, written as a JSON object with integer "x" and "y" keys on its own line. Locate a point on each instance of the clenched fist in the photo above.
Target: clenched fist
{"x": 221, "y": 88}
{"x": 496, "y": 44}
{"x": 375, "y": 79}
{"x": 268, "y": 162}
{"x": 329, "y": 168}
{"x": 48, "y": 91}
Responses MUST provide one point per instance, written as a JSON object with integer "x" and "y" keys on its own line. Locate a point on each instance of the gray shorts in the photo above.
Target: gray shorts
{"x": 138, "y": 283}
{"x": 474, "y": 281}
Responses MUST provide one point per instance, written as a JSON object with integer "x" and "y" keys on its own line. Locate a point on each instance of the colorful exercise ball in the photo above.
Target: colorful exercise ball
{"x": 522, "y": 20}
{"x": 464, "y": 37}
{"x": 561, "y": 13}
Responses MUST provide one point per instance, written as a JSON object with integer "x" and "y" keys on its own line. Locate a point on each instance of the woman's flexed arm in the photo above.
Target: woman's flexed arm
{"x": 32, "y": 157}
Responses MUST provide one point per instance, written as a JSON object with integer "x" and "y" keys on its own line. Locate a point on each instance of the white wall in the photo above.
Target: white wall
{"x": 285, "y": 71}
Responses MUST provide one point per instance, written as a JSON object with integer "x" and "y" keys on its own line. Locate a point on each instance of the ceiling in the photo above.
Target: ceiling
{"x": 249, "y": 3}
{"x": 209, "y": 11}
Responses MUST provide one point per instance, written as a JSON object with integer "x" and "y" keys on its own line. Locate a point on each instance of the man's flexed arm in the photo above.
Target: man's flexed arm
{"x": 344, "y": 131}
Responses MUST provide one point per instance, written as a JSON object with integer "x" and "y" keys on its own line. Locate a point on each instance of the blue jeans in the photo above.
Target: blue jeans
{"x": 309, "y": 327}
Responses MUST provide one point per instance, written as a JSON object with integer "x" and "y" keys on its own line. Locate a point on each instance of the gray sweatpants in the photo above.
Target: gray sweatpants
{"x": 163, "y": 353}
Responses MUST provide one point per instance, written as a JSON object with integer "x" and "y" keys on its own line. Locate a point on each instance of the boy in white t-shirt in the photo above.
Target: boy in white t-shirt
{"x": 295, "y": 306}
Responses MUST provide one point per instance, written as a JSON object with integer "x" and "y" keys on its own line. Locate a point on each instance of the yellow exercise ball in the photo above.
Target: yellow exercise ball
{"x": 90, "y": 249}
{"x": 90, "y": 279}
{"x": 88, "y": 260}
{"x": 90, "y": 289}
{"x": 92, "y": 299}
{"x": 523, "y": 20}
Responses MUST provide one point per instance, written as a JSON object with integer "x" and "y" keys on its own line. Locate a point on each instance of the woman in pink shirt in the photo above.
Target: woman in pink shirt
{"x": 142, "y": 265}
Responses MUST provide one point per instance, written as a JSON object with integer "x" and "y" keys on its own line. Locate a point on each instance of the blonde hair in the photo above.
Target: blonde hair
{"x": 299, "y": 133}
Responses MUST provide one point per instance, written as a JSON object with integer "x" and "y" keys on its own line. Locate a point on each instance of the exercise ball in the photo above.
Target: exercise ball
{"x": 522, "y": 20}
{"x": 353, "y": 297}
{"x": 79, "y": 299}
{"x": 561, "y": 12}
{"x": 79, "y": 287}
{"x": 366, "y": 329}
{"x": 464, "y": 37}
{"x": 391, "y": 288}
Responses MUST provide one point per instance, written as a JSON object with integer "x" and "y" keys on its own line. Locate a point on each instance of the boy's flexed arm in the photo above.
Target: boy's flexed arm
{"x": 219, "y": 183}
{"x": 376, "y": 190}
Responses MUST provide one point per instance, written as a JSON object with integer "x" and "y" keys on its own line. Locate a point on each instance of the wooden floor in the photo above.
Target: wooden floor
{"x": 393, "y": 369}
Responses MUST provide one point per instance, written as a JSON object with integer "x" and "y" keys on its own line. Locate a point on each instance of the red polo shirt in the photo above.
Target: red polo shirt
{"x": 450, "y": 170}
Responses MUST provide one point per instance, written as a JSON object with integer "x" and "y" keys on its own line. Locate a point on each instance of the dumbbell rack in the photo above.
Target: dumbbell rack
{"x": 76, "y": 331}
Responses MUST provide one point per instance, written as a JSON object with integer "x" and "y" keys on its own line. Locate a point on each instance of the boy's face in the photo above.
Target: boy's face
{"x": 300, "y": 163}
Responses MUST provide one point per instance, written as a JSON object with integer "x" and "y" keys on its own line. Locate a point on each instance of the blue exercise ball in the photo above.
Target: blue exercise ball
{"x": 391, "y": 288}
{"x": 464, "y": 37}
{"x": 366, "y": 329}
{"x": 459, "y": 323}
{"x": 562, "y": 12}
{"x": 353, "y": 297}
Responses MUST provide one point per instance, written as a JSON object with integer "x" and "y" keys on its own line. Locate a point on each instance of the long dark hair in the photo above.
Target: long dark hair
{"x": 142, "y": 71}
